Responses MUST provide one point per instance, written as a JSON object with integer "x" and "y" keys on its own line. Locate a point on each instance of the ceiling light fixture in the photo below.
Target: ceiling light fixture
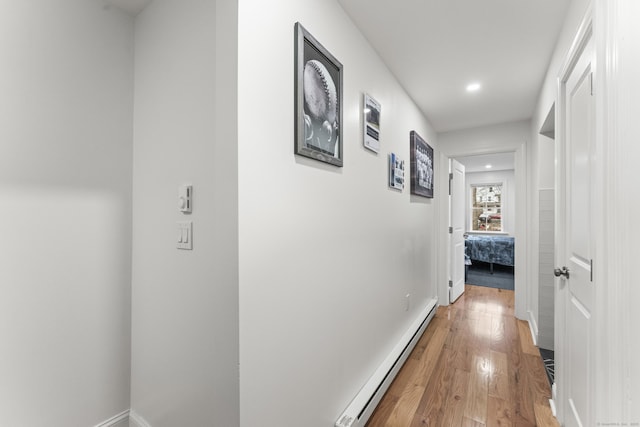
{"x": 488, "y": 166}
{"x": 473, "y": 87}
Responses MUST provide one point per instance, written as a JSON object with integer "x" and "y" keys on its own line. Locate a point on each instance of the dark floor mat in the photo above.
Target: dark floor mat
{"x": 479, "y": 273}
{"x": 549, "y": 364}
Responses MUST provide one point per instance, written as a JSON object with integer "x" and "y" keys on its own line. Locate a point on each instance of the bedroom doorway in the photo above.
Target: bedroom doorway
{"x": 488, "y": 211}
{"x": 513, "y": 216}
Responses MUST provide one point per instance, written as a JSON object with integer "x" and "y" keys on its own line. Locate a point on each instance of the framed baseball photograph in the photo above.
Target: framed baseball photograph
{"x": 318, "y": 100}
{"x": 421, "y": 166}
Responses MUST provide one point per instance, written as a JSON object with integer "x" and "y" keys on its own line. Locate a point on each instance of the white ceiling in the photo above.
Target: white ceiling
{"x": 498, "y": 162}
{"x": 436, "y": 47}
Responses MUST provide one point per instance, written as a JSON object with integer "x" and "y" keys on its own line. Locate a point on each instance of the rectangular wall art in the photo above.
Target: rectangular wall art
{"x": 371, "y": 123}
{"x": 396, "y": 172}
{"x": 421, "y": 166}
{"x": 318, "y": 100}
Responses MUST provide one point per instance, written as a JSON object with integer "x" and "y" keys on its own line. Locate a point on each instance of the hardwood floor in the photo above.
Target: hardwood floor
{"x": 475, "y": 365}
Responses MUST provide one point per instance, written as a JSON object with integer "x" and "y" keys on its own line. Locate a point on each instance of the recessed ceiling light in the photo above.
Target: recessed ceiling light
{"x": 488, "y": 166}
{"x": 473, "y": 87}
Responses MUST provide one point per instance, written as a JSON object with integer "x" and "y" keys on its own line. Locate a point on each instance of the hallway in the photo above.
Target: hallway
{"x": 475, "y": 365}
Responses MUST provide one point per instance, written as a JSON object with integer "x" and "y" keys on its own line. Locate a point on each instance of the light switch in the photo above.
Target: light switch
{"x": 185, "y": 196}
{"x": 185, "y": 235}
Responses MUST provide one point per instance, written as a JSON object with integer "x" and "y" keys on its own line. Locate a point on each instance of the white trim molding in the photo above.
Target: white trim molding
{"x": 582, "y": 38}
{"x": 617, "y": 109}
{"x": 365, "y": 402}
{"x": 135, "y": 420}
{"x": 120, "y": 420}
{"x": 533, "y": 326}
{"x": 521, "y": 232}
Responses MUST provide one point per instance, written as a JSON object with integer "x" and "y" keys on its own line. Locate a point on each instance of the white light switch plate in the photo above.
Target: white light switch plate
{"x": 185, "y": 193}
{"x": 185, "y": 235}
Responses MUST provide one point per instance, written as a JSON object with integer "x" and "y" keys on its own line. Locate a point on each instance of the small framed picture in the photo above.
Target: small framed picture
{"x": 318, "y": 100}
{"x": 371, "y": 123}
{"x": 396, "y": 172}
{"x": 421, "y": 166}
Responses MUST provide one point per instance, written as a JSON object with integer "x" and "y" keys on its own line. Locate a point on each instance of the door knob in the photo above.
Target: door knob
{"x": 564, "y": 271}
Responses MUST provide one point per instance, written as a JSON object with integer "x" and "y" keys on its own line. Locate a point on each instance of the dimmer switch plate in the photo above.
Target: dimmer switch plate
{"x": 185, "y": 235}
{"x": 185, "y": 196}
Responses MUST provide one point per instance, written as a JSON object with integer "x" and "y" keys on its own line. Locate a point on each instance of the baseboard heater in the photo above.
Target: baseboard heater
{"x": 365, "y": 402}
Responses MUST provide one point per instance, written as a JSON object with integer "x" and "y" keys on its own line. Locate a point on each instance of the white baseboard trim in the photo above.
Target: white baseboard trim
{"x": 135, "y": 420}
{"x": 128, "y": 418}
{"x": 365, "y": 402}
{"x": 120, "y": 420}
{"x": 533, "y": 326}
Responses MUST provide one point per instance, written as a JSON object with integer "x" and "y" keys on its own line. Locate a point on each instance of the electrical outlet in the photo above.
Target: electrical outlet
{"x": 407, "y": 302}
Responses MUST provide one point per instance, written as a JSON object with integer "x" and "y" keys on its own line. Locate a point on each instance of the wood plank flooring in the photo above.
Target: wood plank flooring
{"x": 475, "y": 365}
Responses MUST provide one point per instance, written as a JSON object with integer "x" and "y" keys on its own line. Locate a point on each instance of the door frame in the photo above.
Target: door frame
{"x": 520, "y": 220}
{"x": 616, "y": 32}
{"x": 451, "y": 234}
{"x": 583, "y": 37}
{"x": 611, "y": 394}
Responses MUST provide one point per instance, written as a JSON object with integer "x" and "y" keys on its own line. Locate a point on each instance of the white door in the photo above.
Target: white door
{"x": 456, "y": 230}
{"x": 575, "y": 234}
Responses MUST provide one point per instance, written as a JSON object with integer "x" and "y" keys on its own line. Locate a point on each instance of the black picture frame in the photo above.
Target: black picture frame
{"x": 318, "y": 100}
{"x": 421, "y": 166}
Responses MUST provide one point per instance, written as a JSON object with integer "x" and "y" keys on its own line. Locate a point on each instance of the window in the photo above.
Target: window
{"x": 486, "y": 207}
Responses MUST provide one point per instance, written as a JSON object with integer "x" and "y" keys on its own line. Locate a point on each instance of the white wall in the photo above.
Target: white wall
{"x": 628, "y": 96}
{"x": 185, "y": 303}
{"x": 615, "y": 390}
{"x": 548, "y": 94}
{"x": 543, "y": 212}
{"x": 327, "y": 254}
{"x": 543, "y": 164}
{"x": 616, "y": 345}
{"x": 625, "y": 230}
{"x": 500, "y": 138}
{"x": 546, "y": 264}
{"x": 65, "y": 207}
{"x": 508, "y": 199}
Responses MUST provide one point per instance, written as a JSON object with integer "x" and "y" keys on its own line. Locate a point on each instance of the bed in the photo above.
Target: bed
{"x": 490, "y": 249}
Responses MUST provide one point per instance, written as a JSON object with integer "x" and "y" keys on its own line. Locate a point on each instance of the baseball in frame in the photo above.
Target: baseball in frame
{"x": 318, "y": 100}
{"x": 372, "y": 109}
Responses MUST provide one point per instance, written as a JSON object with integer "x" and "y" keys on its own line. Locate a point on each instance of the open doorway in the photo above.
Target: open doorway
{"x": 489, "y": 219}
{"x": 546, "y": 250}
{"x": 519, "y": 218}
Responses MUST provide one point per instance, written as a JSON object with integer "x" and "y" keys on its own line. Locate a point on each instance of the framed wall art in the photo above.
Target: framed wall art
{"x": 421, "y": 166}
{"x": 371, "y": 123}
{"x": 396, "y": 172}
{"x": 318, "y": 100}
